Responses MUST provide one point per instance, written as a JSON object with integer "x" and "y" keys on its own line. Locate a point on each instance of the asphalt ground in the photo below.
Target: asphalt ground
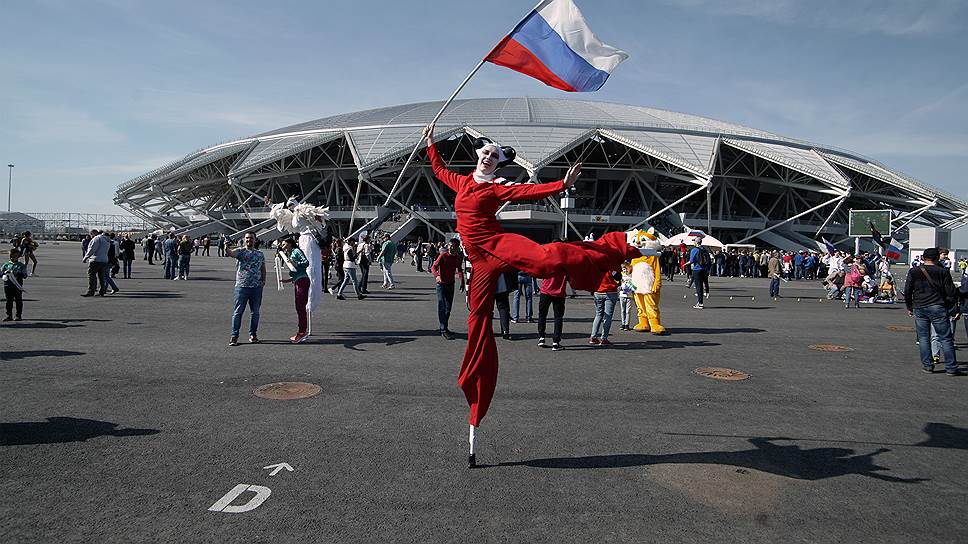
{"x": 126, "y": 418}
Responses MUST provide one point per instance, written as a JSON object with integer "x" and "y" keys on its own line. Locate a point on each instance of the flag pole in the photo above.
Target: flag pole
{"x": 457, "y": 91}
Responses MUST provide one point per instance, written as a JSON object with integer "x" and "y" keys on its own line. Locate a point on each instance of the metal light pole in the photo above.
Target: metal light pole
{"x": 9, "y": 184}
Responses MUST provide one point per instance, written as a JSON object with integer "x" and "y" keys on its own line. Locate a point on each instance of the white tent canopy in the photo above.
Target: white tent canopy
{"x": 689, "y": 240}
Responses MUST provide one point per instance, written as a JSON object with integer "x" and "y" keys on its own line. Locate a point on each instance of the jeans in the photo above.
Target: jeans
{"x": 349, "y": 274}
{"x": 253, "y": 297}
{"x": 126, "y": 268}
{"x": 184, "y": 262}
{"x": 528, "y": 301}
{"x": 604, "y": 308}
{"x": 558, "y": 304}
{"x": 774, "y": 287}
{"x": 503, "y": 303}
{"x": 95, "y": 277}
{"x": 935, "y": 316}
{"x": 851, "y": 293}
{"x": 107, "y": 278}
{"x": 171, "y": 267}
{"x": 364, "y": 276}
{"x": 700, "y": 278}
{"x": 626, "y": 303}
{"x": 388, "y": 273}
{"x": 445, "y": 301}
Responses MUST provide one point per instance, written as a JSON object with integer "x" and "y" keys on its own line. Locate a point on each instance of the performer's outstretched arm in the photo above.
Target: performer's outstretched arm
{"x": 451, "y": 179}
{"x": 529, "y": 191}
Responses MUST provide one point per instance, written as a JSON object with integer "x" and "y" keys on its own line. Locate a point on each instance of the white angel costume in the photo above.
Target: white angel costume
{"x": 296, "y": 218}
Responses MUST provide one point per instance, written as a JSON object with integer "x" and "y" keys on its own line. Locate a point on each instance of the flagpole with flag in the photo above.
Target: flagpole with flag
{"x": 552, "y": 44}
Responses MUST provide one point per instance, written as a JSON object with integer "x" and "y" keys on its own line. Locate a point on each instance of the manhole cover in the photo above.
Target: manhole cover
{"x": 900, "y": 328}
{"x": 287, "y": 390}
{"x": 727, "y": 374}
{"x": 830, "y": 347}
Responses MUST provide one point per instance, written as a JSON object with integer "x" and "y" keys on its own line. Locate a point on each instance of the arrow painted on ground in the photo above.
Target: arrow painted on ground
{"x": 278, "y": 467}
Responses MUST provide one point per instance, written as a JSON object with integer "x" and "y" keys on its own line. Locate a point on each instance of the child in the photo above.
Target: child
{"x": 625, "y": 291}
{"x": 14, "y": 272}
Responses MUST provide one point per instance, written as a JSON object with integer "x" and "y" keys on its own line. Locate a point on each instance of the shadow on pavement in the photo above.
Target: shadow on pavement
{"x": 62, "y": 429}
{"x": 942, "y": 435}
{"x": 31, "y": 325}
{"x": 788, "y": 461}
{"x": 15, "y": 355}
{"x": 714, "y": 331}
{"x": 73, "y": 320}
{"x": 147, "y": 294}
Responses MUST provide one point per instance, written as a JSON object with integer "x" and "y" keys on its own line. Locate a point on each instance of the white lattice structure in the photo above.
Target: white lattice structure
{"x": 640, "y": 164}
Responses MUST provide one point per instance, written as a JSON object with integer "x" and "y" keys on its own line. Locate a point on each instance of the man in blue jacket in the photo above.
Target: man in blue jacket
{"x": 700, "y": 262}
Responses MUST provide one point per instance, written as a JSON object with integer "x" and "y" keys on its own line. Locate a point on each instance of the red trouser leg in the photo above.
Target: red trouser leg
{"x": 301, "y": 287}
{"x": 478, "y": 370}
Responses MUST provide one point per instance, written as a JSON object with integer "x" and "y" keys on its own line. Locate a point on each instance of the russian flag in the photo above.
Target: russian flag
{"x": 554, "y": 45}
{"x": 893, "y": 250}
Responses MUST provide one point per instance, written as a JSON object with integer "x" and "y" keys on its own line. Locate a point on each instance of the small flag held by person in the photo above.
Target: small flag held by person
{"x": 876, "y": 234}
{"x": 893, "y": 250}
{"x": 825, "y": 245}
{"x": 554, "y": 45}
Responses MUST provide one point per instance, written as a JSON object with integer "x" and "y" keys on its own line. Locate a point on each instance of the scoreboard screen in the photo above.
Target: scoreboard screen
{"x": 860, "y": 221}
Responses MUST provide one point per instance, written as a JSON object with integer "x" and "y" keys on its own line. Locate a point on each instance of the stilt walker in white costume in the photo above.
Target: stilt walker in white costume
{"x": 307, "y": 221}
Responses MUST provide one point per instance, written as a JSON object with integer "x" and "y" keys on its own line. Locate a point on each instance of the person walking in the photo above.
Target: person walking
{"x": 297, "y": 264}
{"x": 387, "y": 256}
{"x": 185, "y": 249}
{"x": 221, "y": 245}
{"x": 932, "y": 299}
{"x": 96, "y": 258}
{"x": 28, "y": 249}
{"x": 170, "y": 250}
{"x": 448, "y": 264}
{"x": 207, "y": 246}
{"x": 699, "y": 261}
{"x": 150, "y": 249}
{"x": 337, "y": 260}
{"x": 111, "y": 267}
{"x": 506, "y": 282}
{"x": 127, "y": 255}
{"x": 349, "y": 271}
{"x": 418, "y": 254}
{"x": 605, "y": 298}
{"x": 363, "y": 256}
{"x": 774, "y": 268}
{"x": 250, "y": 278}
{"x": 432, "y": 253}
{"x": 853, "y": 283}
{"x": 14, "y": 273}
{"x": 551, "y": 295}
{"x": 526, "y": 287}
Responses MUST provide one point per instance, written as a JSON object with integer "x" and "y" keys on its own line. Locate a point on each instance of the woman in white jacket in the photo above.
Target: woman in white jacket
{"x": 349, "y": 271}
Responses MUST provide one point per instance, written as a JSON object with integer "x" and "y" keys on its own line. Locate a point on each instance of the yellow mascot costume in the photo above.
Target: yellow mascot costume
{"x": 647, "y": 280}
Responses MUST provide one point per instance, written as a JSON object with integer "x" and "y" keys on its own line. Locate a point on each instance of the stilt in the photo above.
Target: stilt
{"x": 309, "y": 322}
{"x": 471, "y": 458}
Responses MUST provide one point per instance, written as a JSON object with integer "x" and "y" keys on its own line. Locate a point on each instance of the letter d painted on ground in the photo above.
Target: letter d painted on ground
{"x": 224, "y": 504}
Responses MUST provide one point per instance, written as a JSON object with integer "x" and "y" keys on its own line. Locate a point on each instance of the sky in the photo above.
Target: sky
{"x": 95, "y": 92}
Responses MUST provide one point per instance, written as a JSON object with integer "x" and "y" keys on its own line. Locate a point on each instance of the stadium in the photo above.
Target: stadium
{"x": 640, "y": 166}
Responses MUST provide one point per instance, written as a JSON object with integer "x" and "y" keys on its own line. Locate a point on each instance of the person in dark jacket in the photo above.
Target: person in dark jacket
{"x": 932, "y": 299}
{"x": 127, "y": 255}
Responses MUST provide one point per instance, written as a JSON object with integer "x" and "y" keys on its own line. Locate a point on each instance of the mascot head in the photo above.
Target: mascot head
{"x": 646, "y": 239}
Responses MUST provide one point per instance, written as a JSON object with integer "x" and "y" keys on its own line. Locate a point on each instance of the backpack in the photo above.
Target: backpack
{"x": 703, "y": 258}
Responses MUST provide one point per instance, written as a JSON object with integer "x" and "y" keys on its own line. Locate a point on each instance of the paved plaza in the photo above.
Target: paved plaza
{"x": 128, "y": 419}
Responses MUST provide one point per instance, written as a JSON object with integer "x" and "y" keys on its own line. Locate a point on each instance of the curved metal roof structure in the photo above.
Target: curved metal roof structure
{"x": 346, "y": 160}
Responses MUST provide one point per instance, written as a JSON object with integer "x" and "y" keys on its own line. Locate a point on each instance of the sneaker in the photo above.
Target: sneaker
{"x": 956, "y": 373}
{"x": 530, "y": 320}
{"x": 541, "y": 343}
{"x": 594, "y": 341}
{"x": 298, "y": 338}
{"x": 175, "y": 279}
{"x": 18, "y": 318}
{"x": 605, "y": 342}
{"x": 447, "y": 334}
{"x": 506, "y": 335}
{"x": 698, "y": 306}
{"x": 927, "y": 369}
{"x": 8, "y": 318}
{"x": 253, "y": 339}
{"x": 340, "y": 297}
{"x": 360, "y": 296}
{"x": 556, "y": 347}
{"x": 113, "y": 291}
{"x": 514, "y": 320}
{"x": 88, "y": 295}
{"x": 234, "y": 341}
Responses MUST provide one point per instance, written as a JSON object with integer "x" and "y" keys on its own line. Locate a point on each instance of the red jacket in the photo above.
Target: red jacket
{"x": 445, "y": 267}
{"x": 476, "y": 203}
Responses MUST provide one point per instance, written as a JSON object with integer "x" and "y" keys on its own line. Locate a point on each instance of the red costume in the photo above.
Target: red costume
{"x": 492, "y": 251}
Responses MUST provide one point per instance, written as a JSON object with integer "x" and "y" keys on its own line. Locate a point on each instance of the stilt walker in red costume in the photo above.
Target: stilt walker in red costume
{"x": 492, "y": 251}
